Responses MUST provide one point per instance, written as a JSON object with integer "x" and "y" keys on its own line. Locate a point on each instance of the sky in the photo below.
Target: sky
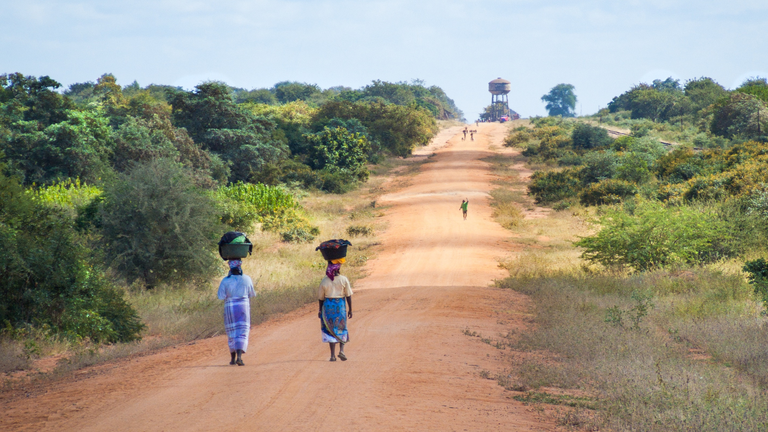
{"x": 602, "y": 47}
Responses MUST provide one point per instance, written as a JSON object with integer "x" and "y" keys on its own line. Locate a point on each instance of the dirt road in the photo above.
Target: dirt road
{"x": 410, "y": 367}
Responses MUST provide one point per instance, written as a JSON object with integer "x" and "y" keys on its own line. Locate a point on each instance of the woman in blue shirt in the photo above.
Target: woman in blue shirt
{"x": 236, "y": 290}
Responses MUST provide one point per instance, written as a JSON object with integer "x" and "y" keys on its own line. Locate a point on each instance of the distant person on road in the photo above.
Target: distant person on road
{"x": 472, "y": 134}
{"x": 235, "y": 290}
{"x": 465, "y": 134}
{"x": 464, "y": 204}
{"x": 333, "y": 292}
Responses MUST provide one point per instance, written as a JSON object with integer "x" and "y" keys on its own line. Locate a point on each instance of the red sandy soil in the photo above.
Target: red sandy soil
{"x": 410, "y": 366}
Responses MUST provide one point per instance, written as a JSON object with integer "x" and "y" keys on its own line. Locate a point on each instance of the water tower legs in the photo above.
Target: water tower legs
{"x": 499, "y": 106}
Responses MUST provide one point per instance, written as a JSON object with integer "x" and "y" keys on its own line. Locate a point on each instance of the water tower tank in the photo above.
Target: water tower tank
{"x": 499, "y": 86}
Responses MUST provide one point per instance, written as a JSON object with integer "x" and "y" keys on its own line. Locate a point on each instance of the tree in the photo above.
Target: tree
{"x": 289, "y": 91}
{"x": 755, "y": 86}
{"x": 398, "y": 128}
{"x": 158, "y": 226}
{"x": 741, "y": 116}
{"x": 561, "y": 100}
{"x": 339, "y": 150}
{"x": 233, "y": 132}
{"x": 703, "y": 92}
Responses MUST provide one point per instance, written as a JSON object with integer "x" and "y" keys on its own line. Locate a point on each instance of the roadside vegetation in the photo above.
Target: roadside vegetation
{"x": 112, "y": 199}
{"x": 648, "y": 278}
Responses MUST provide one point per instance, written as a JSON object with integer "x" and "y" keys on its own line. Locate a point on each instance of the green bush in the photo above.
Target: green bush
{"x": 570, "y": 159}
{"x": 158, "y": 227}
{"x": 736, "y": 116}
{"x": 656, "y": 236}
{"x": 622, "y": 143}
{"x": 609, "y": 191}
{"x": 633, "y": 168}
{"x": 300, "y": 234}
{"x": 598, "y": 166}
{"x": 758, "y": 276}
{"x": 338, "y": 182}
{"x": 553, "y": 186}
{"x": 398, "y": 128}
{"x": 588, "y": 137}
{"x": 47, "y": 277}
{"x": 518, "y": 137}
{"x": 338, "y": 150}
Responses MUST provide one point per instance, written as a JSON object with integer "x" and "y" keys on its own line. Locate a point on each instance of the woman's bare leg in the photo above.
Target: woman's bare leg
{"x": 333, "y": 351}
{"x": 233, "y": 358}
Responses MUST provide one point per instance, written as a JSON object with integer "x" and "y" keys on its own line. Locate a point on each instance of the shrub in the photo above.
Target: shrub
{"x": 598, "y": 166}
{"x": 552, "y": 139}
{"x": 549, "y": 187}
{"x": 608, "y": 191}
{"x": 360, "y": 230}
{"x": 656, "y": 236}
{"x": 633, "y": 168}
{"x": 398, "y": 128}
{"x": 737, "y": 116}
{"x": 518, "y": 137}
{"x": 338, "y": 150}
{"x": 622, "y": 143}
{"x": 570, "y": 159}
{"x": 158, "y": 227}
{"x": 47, "y": 277}
{"x": 679, "y": 165}
{"x": 300, "y": 234}
{"x": 758, "y": 276}
{"x": 588, "y": 137}
{"x": 338, "y": 182}
{"x": 648, "y": 148}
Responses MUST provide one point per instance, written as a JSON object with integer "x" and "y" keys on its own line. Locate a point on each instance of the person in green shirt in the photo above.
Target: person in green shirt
{"x": 463, "y": 207}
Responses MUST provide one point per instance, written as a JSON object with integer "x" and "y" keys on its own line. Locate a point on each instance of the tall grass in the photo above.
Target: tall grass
{"x": 264, "y": 198}
{"x": 697, "y": 361}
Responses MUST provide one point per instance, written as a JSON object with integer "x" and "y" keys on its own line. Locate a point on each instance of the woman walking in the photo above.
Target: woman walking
{"x": 235, "y": 290}
{"x": 332, "y": 293}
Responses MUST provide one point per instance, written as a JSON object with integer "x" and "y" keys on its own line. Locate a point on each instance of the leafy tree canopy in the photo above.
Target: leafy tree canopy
{"x": 561, "y": 100}
{"x": 339, "y": 150}
{"x": 236, "y": 134}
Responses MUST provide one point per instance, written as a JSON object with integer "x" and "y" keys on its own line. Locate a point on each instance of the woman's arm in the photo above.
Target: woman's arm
{"x": 320, "y": 310}
{"x": 349, "y": 306}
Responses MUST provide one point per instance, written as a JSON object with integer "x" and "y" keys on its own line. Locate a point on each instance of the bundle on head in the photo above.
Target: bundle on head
{"x": 333, "y": 250}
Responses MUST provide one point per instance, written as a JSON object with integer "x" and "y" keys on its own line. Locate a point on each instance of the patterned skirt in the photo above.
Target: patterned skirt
{"x": 237, "y": 322}
{"x": 334, "y": 322}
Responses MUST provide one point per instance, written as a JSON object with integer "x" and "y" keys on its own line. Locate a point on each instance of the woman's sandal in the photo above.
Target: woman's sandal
{"x": 240, "y": 362}
{"x": 342, "y": 356}
{"x": 332, "y": 359}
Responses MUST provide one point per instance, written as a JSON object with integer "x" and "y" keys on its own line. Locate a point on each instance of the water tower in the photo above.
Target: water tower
{"x": 499, "y": 89}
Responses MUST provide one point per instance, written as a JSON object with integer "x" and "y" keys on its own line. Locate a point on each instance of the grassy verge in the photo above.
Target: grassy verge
{"x": 675, "y": 349}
